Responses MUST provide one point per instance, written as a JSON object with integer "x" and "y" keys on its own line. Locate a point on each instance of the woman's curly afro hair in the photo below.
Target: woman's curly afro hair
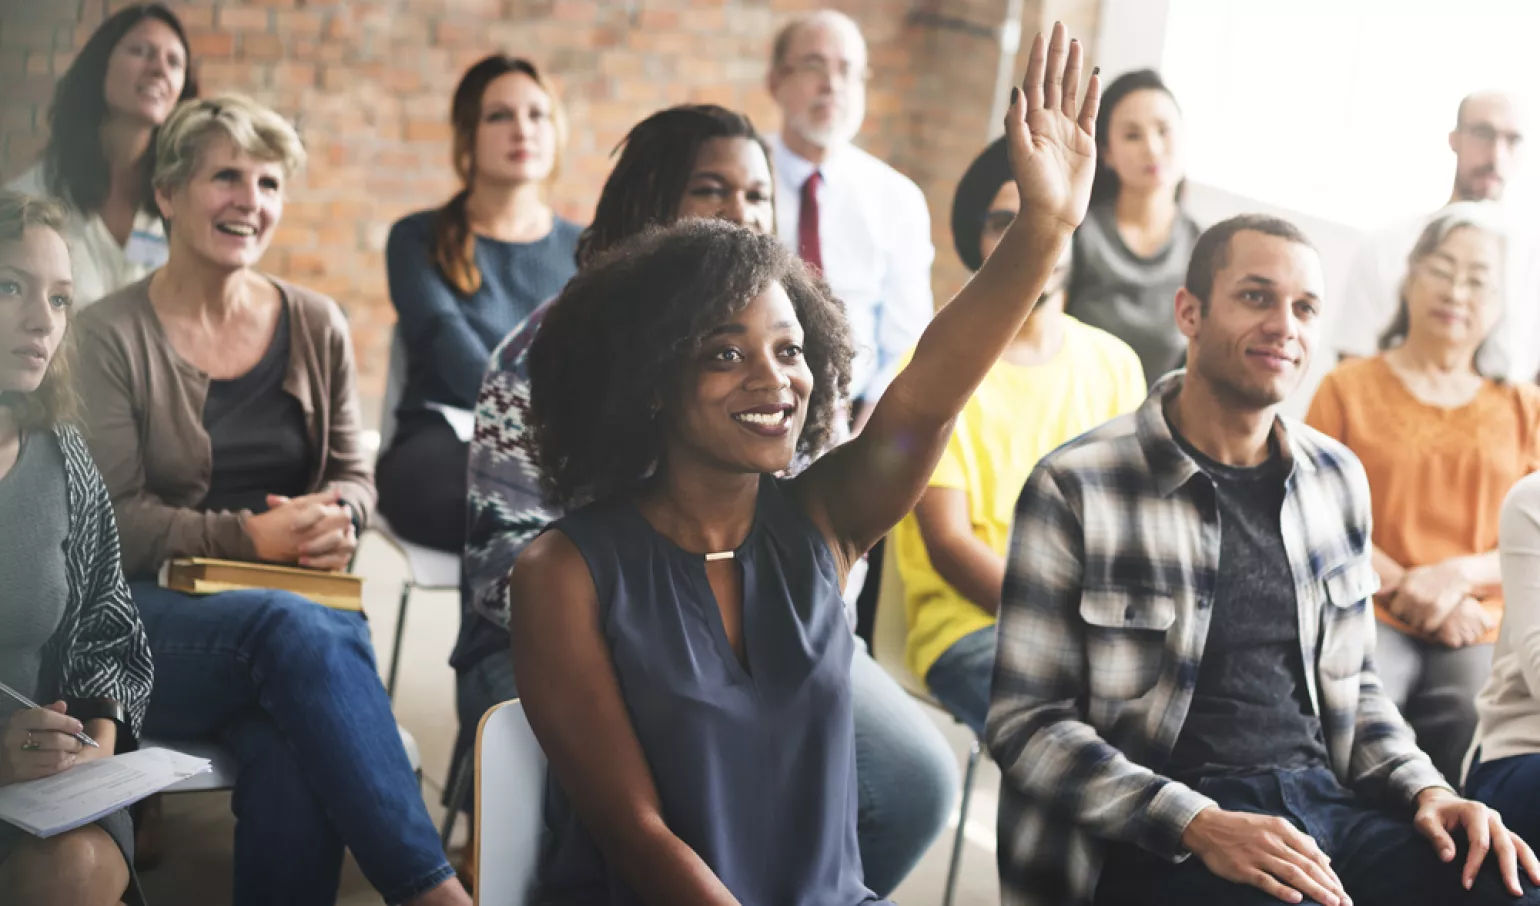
{"x": 625, "y": 332}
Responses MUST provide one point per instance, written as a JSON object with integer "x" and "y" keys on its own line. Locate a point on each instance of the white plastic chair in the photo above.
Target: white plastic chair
{"x": 426, "y": 568}
{"x": 890, "y": 640}
{"x": 223, "y": 767}
{"x": 510, "y": 807}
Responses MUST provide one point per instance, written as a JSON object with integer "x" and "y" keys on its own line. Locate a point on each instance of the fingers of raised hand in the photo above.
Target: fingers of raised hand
{"x": 1053, "y": 78}
{"x": 1032, "y": 83}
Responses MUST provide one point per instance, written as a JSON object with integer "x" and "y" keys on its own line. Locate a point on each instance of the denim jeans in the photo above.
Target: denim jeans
{"x": 1512, "y": 786}
{"x": 291, "y": 686}
{"x": 906, "y": 773}
{"x": 1381, "y": 858}
{"x": 961, "y": 676}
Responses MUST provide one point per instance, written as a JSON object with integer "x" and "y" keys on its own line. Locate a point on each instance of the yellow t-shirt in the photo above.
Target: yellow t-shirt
{"x": 1018, "y": 415}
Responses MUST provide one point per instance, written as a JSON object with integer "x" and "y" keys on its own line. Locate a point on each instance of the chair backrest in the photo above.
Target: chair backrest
{"x": 395, "y": 382}
{"x": 510, "y": 806}
{"x": 890, "y": 629}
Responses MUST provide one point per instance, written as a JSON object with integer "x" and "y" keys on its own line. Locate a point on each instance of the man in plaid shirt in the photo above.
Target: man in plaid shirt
{"x": 1185, "y": 708}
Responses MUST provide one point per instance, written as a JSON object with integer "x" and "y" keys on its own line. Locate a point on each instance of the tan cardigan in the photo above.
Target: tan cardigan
{"x": 144, "y": 414}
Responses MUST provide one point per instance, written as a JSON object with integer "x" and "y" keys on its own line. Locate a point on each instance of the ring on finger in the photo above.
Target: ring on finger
{"x": 31, "y": 745}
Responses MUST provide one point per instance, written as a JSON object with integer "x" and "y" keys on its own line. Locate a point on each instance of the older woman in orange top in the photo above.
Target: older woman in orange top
{"x": 1441, "y": 444}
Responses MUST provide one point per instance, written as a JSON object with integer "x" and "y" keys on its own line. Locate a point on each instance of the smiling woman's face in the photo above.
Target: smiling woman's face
{"x": 229, "y": 209}
{"x": 146, "y": 73}
{"x": 744, "y": 401}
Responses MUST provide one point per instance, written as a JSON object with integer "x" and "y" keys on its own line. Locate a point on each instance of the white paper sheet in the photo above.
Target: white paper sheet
{"x": 83, "y": 794}
{"x": 461, "y": 421}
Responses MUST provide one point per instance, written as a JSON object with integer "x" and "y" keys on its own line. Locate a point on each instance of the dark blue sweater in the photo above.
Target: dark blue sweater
{"x": 449, "y": 337}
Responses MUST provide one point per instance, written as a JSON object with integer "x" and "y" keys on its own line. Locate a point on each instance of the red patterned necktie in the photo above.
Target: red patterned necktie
{"x": 808, "y": 245}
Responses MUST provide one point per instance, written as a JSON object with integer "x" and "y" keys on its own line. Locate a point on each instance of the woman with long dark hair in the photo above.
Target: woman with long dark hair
{"x": 679, "y": 638}
{"x": 1131, "y": 253}
{"x": 106, "y": 109}
{"x": 462, "y": 276}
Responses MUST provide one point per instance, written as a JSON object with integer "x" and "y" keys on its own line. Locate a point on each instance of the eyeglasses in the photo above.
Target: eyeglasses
{"x": 1487, "y": 135}
{"x": 821, "y": 68}
{"x": 1475, "y": 285}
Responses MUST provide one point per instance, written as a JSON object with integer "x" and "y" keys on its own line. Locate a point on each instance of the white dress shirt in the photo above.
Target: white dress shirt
{"x": 100, "y": 265}
{"x": 1372, "y": 294}
{"x": 874, "y": 236}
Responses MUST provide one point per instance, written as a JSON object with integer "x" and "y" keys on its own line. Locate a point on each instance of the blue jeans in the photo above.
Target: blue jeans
{"x": 906, "y": 773}
{"x": 292, "y": 688}
{"x": 960, "y": 678}
{"x": 1512, "y": 786}
{"x": 1381, "y": 858}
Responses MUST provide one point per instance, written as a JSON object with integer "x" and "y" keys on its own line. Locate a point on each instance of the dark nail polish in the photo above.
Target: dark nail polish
{"x": 1015, "y": 95}
{"x": 1096, "y": 70}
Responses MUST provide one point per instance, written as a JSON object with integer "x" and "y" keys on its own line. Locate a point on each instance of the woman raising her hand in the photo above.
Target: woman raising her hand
{"x": 679, "y": 638}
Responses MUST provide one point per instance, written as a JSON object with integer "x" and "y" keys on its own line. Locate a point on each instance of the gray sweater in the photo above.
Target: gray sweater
{"x": 1130, "y": 296}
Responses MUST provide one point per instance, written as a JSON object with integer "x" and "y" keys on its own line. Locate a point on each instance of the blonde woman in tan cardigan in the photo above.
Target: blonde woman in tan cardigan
{"x": 222, "y": 411}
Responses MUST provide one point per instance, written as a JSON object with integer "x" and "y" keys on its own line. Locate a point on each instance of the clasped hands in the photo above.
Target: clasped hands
{"x": 315, "y": 531}
{"x": 1439, "y": 601}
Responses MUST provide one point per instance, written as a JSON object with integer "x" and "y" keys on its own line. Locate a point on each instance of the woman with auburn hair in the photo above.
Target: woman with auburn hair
{"x": 223, "y": 414}
{"x": 69, "y": 633}
{"x": 101, "y": 145}
{"x": 464, "y": 275}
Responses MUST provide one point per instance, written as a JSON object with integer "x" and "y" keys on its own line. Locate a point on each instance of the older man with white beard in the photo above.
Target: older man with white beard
{"x": 858, "y": 220}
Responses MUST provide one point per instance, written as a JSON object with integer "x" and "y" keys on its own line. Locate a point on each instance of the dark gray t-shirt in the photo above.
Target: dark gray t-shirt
{"x": 257, "y": 433}
{"x": 1130, "y": 296}
{"x": 34, "y": 590}
{"x": 1251, "y": 707}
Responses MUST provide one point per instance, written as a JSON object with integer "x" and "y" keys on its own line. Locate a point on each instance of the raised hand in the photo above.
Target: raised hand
{"x": 1052, "y": 143}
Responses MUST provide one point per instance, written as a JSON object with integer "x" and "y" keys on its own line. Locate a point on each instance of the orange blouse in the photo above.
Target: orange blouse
{"x": 1437, "y": 476}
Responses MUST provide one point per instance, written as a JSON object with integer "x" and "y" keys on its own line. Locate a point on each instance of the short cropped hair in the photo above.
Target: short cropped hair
{"x": 54, "y": 400}
{"x": 252, "y": 127}
{"x": 831, "y": 17}
{"x": 615, "y": 347}
{"x": 1211, "y": 253}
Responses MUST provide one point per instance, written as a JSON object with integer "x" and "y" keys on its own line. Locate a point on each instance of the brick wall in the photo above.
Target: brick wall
{"x": 369, "y": 81}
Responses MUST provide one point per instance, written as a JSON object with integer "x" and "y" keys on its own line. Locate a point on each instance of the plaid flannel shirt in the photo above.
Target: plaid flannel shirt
{"x": 1103, "y": 619}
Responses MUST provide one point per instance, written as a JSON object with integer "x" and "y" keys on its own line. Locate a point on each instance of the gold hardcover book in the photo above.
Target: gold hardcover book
{"x": 204, "y": 576}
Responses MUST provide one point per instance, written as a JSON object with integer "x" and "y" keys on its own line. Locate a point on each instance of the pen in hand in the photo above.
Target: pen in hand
{"x": 25, "y": 702}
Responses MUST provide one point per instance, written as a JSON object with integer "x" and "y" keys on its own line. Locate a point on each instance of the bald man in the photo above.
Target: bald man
{"x": 861, "y": 222}
{"x": 1487, "y": 141}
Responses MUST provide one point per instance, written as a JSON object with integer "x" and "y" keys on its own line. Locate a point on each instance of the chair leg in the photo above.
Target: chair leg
{"x": 962, "y": 822}
{"x": 395, "y": 653}
{"x": 459, "y": 796}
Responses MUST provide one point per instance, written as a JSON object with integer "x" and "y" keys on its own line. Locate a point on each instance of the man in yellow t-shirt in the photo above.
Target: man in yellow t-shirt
{"x": 1057, "y": 380}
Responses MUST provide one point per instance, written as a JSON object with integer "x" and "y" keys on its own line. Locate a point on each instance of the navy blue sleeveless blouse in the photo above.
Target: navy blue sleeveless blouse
{"x": 755, "y": 767}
